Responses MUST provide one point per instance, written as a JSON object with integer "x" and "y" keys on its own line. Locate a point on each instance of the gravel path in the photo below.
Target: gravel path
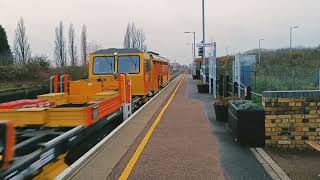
{"x": 297, "y": 164}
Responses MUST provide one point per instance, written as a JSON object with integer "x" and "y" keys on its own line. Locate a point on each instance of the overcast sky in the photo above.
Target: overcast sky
{"x": 237, "y": 24}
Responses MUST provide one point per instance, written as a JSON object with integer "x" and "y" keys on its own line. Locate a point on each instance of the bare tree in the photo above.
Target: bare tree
{"x": 84, "y": 45}
{"x": 72, "y": 46}
{"x": 141, "y": 38}
{"x": 22, "y": 50}
{"x": 127, "y": 37}
{"x": 93, "y": 46}
{"x": 134, "y": 38}
{"x": 59, "y": 49}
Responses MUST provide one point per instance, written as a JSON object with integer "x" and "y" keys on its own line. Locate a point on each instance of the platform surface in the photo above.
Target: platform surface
{"x": 187, "y": 143}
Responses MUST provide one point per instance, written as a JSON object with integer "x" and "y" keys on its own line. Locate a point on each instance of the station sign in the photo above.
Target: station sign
{"x": 205, "y": 44}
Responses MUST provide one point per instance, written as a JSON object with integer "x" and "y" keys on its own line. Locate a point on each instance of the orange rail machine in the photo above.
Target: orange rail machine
{"x": 49, "y": 127}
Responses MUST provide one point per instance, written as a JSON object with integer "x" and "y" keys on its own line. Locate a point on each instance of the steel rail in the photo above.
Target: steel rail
{"x": 96, "y": 149}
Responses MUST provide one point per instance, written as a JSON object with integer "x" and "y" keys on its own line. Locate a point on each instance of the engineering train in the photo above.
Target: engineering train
{"x": 41, "y": 137}
{"x": 147, "y": 71}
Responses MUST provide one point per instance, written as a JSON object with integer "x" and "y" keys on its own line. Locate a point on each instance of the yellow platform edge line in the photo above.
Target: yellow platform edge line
{"x": 127, "y": 171}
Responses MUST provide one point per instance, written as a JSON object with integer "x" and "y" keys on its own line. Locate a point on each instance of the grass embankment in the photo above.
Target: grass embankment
{"x": 278, "y": 72}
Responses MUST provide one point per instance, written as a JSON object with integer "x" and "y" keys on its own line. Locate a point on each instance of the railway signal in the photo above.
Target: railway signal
{"x": 200, "y": 51}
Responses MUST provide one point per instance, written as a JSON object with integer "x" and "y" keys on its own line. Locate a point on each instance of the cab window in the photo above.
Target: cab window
{"x": 129, "y": 64}
{"x": 147, "y": 65}
{"x": 103, "y": 65}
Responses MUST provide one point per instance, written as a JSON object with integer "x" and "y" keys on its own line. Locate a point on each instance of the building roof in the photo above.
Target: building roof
{"x": 116, "y": 50}
{"x": 200, "y": 59}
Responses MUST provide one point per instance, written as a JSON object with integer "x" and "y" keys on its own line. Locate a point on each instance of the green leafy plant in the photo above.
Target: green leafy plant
{"x": 246, "y": 105}
{"x": 224, "y": 100}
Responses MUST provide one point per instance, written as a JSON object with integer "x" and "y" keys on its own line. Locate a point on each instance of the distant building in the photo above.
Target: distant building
{"x": 197, "y": 63}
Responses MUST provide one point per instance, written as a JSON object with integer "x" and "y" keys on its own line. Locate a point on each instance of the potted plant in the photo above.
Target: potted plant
{"x": 221, "y": 107}
{"x": 203, "y": 87}
{"x": 246, "y": 121}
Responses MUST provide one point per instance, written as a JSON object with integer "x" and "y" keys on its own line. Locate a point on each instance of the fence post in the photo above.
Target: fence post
{"x": 227, "y": 86}
{"x": 235, "y": 88}
{"x": 292, "y": 80}
{"x": 221, "y": 85}
{"x": 248, "y": 93}
{"x": 319, "y": 78}
{"x": 224, "y": 86}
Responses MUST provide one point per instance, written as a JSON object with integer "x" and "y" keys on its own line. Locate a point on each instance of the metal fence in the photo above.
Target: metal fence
{"x": 277, "y": 74}
{"x": 284, "y": 79}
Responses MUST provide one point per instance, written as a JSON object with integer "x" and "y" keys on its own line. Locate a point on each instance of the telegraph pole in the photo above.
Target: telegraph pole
{"x": 203, "y": 41}
{"x": 290, "y": 50}
{"x": 260, "y": 49}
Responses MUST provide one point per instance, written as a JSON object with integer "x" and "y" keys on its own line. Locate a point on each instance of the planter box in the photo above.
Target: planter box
{"x": 221, "y": 112}
{"x": 247, "y": 126}
{"x": 203, "y": 88}
{"x": 195, "y": 77}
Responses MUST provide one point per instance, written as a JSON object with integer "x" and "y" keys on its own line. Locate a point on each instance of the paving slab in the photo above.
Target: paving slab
{"x": 101, "y": 163}
{"x": 188, "y": 143}
{"x": 182, "y": 145}
{"x": 237, "y": 161}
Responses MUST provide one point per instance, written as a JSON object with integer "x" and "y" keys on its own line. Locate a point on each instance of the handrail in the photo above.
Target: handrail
{"x": 260, "y": 95}
{"x": 51, "y": 83}
{"x": 61, "y": 82}
{"x": 243, "y": 89}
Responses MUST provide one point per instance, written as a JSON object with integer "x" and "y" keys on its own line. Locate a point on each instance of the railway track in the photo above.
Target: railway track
{"x": 37, "y": 147}
{"x": 94, "y": 151}
{"x": 56, "y": 129}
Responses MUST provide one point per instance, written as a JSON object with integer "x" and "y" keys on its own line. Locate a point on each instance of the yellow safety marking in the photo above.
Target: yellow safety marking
{"x": 126, "y": 172}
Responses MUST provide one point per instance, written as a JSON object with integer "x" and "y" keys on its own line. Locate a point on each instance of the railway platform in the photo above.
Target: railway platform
{"x": 175, "y": 136}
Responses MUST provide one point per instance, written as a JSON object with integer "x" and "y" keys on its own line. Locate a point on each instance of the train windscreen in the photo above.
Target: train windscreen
{"x": 103, "y": 65}
{"x": 129, "y": 64}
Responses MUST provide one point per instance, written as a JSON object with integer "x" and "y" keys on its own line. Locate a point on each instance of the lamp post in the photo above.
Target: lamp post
{"x": 194, "y": 43}
{"x": 203, "y": 48}
{"x": 203, "y": 41}
{"x": 290, "y": 50}
{"x": 260, "y": 49}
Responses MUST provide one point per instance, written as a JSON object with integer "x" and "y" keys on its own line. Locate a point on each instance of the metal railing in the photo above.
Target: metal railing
{"x": 245, "y": 92}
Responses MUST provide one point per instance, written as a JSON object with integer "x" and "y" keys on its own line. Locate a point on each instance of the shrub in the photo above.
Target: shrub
{"x": 75, "y": 72}
{"x": 224, "y": 100}
{"x": 37, "y": 69}
{"x": 246, "y": 105}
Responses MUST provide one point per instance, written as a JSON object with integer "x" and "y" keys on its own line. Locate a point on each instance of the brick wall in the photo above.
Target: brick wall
{"x": 292, "y": 118}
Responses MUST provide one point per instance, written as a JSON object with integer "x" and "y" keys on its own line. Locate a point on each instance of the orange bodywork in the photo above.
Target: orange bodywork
{"x": 153, "y": 70}
{"x": 55, "y": 83}
{"x": 10, "y": 142}
{"x": 160, "y": 73}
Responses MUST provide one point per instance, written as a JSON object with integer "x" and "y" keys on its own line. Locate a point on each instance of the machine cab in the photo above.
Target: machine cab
{"x": 104, "y": 63}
